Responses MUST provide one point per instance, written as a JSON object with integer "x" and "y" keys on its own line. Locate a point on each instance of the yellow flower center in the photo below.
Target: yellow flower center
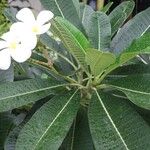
{"x": 13, "y": 45}
{"x": 35, "y": 29}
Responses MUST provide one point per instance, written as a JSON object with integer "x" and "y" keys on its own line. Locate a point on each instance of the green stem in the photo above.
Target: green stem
{"x": 52, "y": 69}
{"x": 100, "y": 4}
{"x": 107, "y": 72}
{"x": 67, "y": 60}
{"x": 84, "y": 1}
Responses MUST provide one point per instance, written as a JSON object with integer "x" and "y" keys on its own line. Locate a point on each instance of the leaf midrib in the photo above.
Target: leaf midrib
{"x": 31, "y": 92}
{"x": 54, "y": 120}
{"x": 109, "y": 117}
{"x": 59, "y": 9}
{"x": 130, "y": 90}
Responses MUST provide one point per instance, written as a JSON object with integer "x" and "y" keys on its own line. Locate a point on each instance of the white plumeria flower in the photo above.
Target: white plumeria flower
{"x": 30, "y": 24}
{"x": 16, "y": 45}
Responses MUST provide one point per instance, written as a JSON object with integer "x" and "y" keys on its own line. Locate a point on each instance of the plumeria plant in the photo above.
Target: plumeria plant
{"x": 89, "y": 85}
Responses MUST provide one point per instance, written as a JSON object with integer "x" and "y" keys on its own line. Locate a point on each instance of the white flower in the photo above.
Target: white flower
{"x": 30, "y": 24}
{"x": 16, "y": 45}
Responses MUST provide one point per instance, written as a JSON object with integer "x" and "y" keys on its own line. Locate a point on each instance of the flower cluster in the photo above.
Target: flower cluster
{"x": 19, "y": 42}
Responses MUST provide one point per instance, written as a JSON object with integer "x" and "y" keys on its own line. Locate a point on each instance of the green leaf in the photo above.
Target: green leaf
{"x": 139, "y": 46}
{"x": 11, "y": 139}
{"x": 7, "y": 75}
{"x": 131, "y": 69}
{"x": 85, "y": 15}
{"x": 10, "y": 14}
{"x": 99, "y": 61}
{"x": 72, "y": 38}
{"x": 115, "y": 125}
{"x": 106, "y": 8}
{"x": 19, "y": 93}
{"x": 49, "y": 125}
{"x": 133, "y": 29}
{"x": 98, "y": 29}
{"x": 136, "y": 88}
{"x": 6, "y": 122}
{"x": 79, "y": 137}
{"x": 68, "y": 9}
{"x": 119, "y": 15}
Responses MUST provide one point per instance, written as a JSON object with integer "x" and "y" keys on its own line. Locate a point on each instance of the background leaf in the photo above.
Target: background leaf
{"x": 98, "y": 29}
{"x": 68, "y": 9}
{"x": 133, "y": 29}
{"x": 139, "y": 46}
{"x": 119, "y": 15}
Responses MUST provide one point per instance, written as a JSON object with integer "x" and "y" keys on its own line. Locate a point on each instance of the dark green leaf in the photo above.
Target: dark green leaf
{"x": 19, "y": 93}
{"x": 136, "y": 88}
{"x": 79, "y": 137}
{"x": 115, "y": 125}
{"x": 133, "y": 29}
{"x": 7, "y": 75}
{"x": 68, "y": 9}
{"x": 49, "y": 125}
{"x": 6, "y": 122}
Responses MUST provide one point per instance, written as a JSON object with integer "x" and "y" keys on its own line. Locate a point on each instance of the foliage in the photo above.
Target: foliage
{"x": 88, "y": 97}
{"x": 4, "y": 25}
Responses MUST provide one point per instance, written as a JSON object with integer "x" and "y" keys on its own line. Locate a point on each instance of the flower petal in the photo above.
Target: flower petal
{"x": 5, "y": 59}
{"x": 20, "y": 55}
{"x": 44, "y": 16}
{"x": 44, "y": 28}
{"x": 7, "y": 36}
{"x": 25, "y": 15}
{"x": 3, "y": 45}
{"x": 18, "y": 28}
{"x": 27, "y": 39}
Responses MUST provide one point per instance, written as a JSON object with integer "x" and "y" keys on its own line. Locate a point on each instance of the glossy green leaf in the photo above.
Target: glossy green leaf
{"x": 115, "y": 125}
{"x": 98, "y": 29}
{"x": 72, "y": 38}
{"x": 19, "y": 93}
{"x": 49, "y": 125}
{"x": 133, "y": 29}
{"x": 99, "y": 61}
{"x": 68, "y": 9}
{"x": 136, "y": 88}
{"x": 120, "y": 14}
{"x": 139, "y": 46}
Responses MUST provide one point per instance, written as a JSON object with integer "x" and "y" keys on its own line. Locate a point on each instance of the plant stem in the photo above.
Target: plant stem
{"x": 52, "y": 69}
{"x": 100, "y": 4}
{"x": 67, "y": 60}
{"x": 84, "y": 1}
